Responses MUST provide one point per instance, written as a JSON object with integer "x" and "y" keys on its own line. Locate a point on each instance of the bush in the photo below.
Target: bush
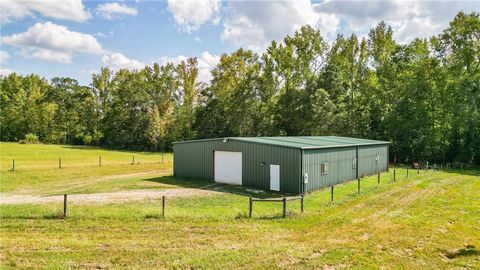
{"x": 30, "y": 138}
{"x": 97, "y": 137}
{"x": 87, "y": 140}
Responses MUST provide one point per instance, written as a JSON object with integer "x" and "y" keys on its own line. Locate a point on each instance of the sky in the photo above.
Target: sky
{"x": 75, "y": 38}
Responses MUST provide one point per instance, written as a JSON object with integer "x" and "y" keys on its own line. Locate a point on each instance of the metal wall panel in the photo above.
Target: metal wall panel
{"x": 340, "y": 166}
{"x": 367, "y": 163}
{"x": 195, "y": 160}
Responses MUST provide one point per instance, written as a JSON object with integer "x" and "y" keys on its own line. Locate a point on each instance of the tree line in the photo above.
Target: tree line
{"x": 423, "y": 97}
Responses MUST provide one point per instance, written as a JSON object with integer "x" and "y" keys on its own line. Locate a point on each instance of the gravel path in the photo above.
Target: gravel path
{"x": 107, "y": 197}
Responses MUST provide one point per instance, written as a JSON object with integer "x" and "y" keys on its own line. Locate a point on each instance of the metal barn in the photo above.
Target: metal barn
{"x": 286, "y": 164}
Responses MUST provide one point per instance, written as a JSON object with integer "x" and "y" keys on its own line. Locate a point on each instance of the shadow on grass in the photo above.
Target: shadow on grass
{"x": 468, "y": 250}
{"x": 35, "y": 217}
{"x": 290, "y": 214}
{"x": 218, "y": 187}
{"x": 473, "y": 172}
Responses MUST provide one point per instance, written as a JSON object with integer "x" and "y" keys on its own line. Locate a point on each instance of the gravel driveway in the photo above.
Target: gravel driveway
{"x": 107, "y": 197}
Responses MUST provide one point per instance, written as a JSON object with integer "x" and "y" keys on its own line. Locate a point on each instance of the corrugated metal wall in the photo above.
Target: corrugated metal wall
{"x": 367, "y": 159}
{"x": 340, "y": 169}
{"x": 340, "y": 164}
{"x": 195, "y": 160}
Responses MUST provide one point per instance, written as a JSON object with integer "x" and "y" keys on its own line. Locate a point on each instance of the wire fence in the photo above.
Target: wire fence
{"x": 164, "y": 159}
{"x": 391, "y": 176}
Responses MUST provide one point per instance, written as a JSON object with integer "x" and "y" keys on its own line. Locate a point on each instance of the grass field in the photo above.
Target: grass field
{"x": 429, "y": 221}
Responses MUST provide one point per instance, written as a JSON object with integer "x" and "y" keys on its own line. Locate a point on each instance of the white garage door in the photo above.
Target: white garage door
{"x": 228, "y": 167}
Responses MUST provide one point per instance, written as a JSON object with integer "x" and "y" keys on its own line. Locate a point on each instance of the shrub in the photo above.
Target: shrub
{"x": 97, "y": 137}
{"x": 30, "y": 138}
{"x": 87, "y": 140}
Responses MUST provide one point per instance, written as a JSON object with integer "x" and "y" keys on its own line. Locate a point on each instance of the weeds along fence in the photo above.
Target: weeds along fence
{"x": 101, "y": 163}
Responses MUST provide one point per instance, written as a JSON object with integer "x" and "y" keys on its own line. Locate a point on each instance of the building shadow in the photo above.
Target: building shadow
{"x": 218, "y": 187}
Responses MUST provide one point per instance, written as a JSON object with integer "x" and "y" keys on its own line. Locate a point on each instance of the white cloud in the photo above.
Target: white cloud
{"x": 111, "y": 10}
{"x": 255, "y": 24}
{"x": 4, "y": 56}
{"x": 73, "y": 10}
{"x": 5, "y": 71}
{"x": 409, "y": 19}
{"x": 118, "y": 61}
{"x": 46, "y": 54}
{"x": 198, "y": 39}
{"x": 206, "y": 62}
{"x": 53, "y": 42}
{"x": 191, "y": 14}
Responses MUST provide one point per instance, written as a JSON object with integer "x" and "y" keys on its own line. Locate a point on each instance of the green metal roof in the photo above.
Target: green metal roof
{"x": 304, "y": 142}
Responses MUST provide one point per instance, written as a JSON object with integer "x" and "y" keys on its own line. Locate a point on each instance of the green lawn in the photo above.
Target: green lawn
{"x": 429, "y": 221}
{"x": 37, "y": 169}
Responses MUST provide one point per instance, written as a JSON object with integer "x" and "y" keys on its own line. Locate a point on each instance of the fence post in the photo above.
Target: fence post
{"x": 331, "y": 194}
{"x": 163, "y": 206}
{"x": 100, "y": 161}
{"x": 13, "y": 165}
{"x": 407, "y": 172}
{"x": 358, "y": 180}
{"x": 65, "y": 205}
{"x": 133, "y": 159}
{"x": 418, "y": 171}
{"x": 301, "y": 203}
{"x": 250, "y": 208}
{"x": 378, "y": 179}
{"x": 284, "y": 207}
{"x": 394, "y": 177}
{"x": 59, "y": 163}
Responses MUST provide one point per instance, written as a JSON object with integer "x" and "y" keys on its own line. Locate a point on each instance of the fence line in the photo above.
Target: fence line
{"x": 60, "y": 164}
{"x": 282, "y": 200}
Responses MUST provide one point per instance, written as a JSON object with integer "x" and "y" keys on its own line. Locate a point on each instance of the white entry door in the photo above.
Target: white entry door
{"x": 228, "y": 167}
{"x": 275, "y": 177}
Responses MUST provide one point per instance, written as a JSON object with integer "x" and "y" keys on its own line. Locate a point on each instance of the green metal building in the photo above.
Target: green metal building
{"x": 286, "y": 164}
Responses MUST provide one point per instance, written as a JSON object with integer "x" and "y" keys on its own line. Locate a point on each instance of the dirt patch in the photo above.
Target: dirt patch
{"x": 108, "y": 197}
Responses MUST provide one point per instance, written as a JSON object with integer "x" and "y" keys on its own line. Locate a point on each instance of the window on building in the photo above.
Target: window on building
{"x": 354, "y": 163}
{"x": 324, "y": 168}
{"x": 377, "y": 159}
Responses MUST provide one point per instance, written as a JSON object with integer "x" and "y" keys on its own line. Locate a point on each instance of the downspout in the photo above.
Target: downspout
{"x": 356, "y": 163}
{"x": 302, "y": 184}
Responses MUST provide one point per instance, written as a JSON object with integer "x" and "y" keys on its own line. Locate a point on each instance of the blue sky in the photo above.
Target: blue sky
{"x": 75, "y": 38}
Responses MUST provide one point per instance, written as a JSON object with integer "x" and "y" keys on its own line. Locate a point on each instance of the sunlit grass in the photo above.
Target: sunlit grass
{"x": 426, "y": 221}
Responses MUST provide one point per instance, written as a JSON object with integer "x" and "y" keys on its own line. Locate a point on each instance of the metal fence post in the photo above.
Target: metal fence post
{"x": 284, "y": 207}
{"x": 133, "y": 159}
{"x": 358, "y": 180}
{"x": 13, "y": 165}
{"x": 301, "y": 203}
{"x": 378, "y": 179}
{"x": 331, "y": 194}
{"x": 250, "y": 208}
{"x": 163, "y": 206}
{"x": 100, "y": 161}
{"x": 59, "y": 163}
{"x": 394, "y": 177}
{"x": 65, "y": 205}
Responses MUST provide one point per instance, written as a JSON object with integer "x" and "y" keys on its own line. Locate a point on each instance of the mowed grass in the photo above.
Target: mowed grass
{"x": 428, "y": 221}
{"x": 37, "y": 169}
